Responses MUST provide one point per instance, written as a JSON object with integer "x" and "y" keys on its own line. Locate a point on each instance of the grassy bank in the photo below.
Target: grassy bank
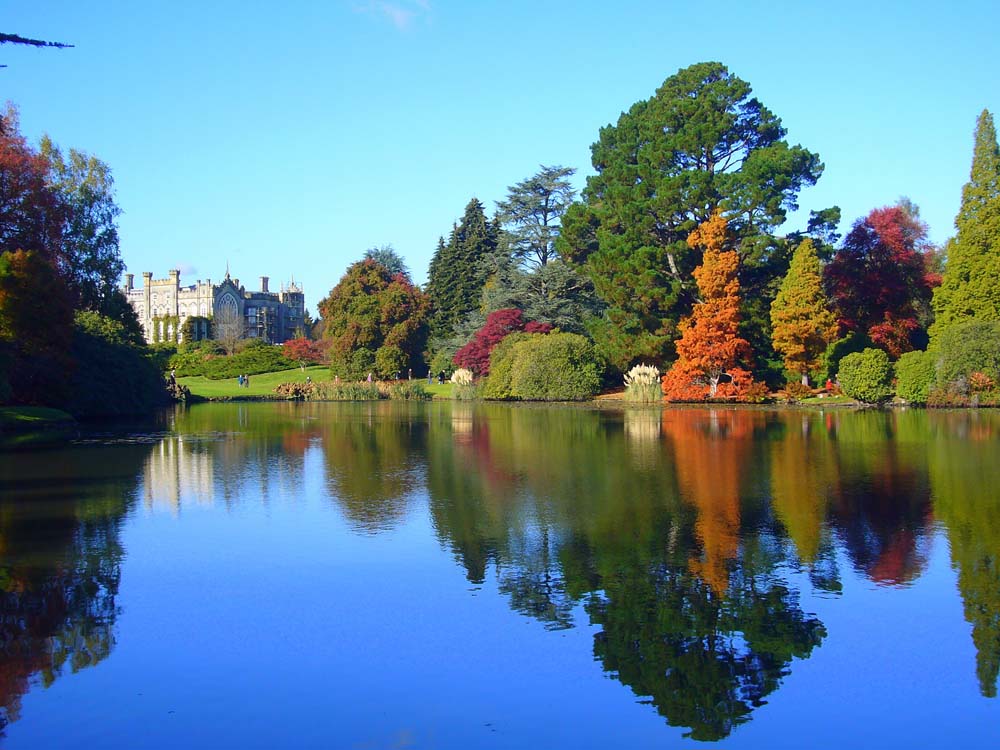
{"x": 262, "y": 386}
{"x": 22, "y": 418}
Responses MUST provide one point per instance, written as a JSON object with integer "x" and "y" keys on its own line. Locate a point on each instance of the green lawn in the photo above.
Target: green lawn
{"x": 260, "y": 385}
{"x": 28, "y": 417}
{"x": 264, "y": 385}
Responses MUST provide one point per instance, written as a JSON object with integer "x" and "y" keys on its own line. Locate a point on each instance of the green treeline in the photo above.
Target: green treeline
{"x": 619, "y": 264}
{"x": 68, "y": 337}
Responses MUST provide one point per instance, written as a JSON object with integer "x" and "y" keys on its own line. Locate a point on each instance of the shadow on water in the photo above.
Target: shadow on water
{"x": 60, "y": 561}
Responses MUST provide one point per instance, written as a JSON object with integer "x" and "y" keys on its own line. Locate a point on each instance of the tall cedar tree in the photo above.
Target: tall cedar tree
{"x": 802, "y": 325}
{"x": 710, "y": 346}
{"x": 532, "y": 212}
{"x": 969, "y": 288}
{"x": 369, "y": 309}
{"x": 457, "y": 271}
{"x": 701, "y": 143}
{"x": 878, "y": 280}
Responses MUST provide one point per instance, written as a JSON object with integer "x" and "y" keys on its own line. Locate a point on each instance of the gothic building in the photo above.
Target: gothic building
{"x": 163, "y": 307}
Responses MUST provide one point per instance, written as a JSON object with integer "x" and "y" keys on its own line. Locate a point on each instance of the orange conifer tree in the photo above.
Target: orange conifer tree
{"x": 710, "y": 347}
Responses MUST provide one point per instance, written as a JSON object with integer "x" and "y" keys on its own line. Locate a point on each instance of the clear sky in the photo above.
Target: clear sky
{"x": 288, "y": 138}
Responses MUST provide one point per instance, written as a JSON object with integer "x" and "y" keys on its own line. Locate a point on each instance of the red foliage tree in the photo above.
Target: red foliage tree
{"x": 476, "y": 354}
{"x": 303, "y": 351}
{"x": 31, "y": 213}
{"x": 879, "y": 280}
{"x": 710, "y": 347}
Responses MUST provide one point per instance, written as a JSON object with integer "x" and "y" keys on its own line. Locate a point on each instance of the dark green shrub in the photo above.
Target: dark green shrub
{"x": 113, "y": 377}
{"x": 966, "y": 348}
{"x": 253, "y": 359}
{"x": 497, "y": 385}
{"x": 355, "y": 365}
{"x": 865, "y": 376}
{"x": 915, "y": 376}
{"x": 390, "y": 360}
{"x": 554, "y": 367}
{"x": 853, "y": 343}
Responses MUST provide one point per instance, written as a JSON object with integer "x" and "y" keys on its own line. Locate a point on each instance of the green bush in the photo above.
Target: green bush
{"x": 865, "y": 376}
{"x": 355, "y": 365}
{"x": 966, "y": 348}
{"x": 497, "y": 385}
{"x": 554, "y": 367}
{"x": 853, "y": 343}
{"x": 915, "y": 373}
{"x": 252, "y": 359}
{"x": 390, "y": 360}
{"x": 113, "y": 377}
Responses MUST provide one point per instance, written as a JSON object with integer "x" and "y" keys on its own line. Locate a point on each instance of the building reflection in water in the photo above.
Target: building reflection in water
{"x": 177, "y": 469}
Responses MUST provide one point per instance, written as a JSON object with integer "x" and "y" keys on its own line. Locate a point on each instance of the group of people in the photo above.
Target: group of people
{"x": 244, "y": 381}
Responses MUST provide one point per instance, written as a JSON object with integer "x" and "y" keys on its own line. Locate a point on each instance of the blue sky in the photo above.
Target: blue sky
{"x": 287, "y": 140}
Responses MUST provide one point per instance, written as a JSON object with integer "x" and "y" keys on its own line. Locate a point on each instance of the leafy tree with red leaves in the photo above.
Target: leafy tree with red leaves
{"x": 371, "y": 308}
{"x": 303, "y": 351}
{"x": 879, "y": 279}
{"x": 475, "y": 355}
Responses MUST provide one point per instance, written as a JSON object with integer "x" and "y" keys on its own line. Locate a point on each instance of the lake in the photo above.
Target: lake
{"x": 453, "y": 575}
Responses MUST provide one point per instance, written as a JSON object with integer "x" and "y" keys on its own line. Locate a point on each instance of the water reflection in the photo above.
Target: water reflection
{"x": 688, "y": 539}
{"x": 60, "y": 562}
{"x": 964, "y": 460}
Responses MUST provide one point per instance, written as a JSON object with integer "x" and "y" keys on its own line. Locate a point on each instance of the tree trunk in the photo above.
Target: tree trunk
{"x": 805, "y": 380}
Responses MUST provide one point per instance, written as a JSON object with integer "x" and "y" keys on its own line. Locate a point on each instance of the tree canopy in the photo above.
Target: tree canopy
{"x": 701, "y": 143}
{"x": 969, "y": 288}
{"x": 457, "y": 270}
{"x": 878, "y": 279}
{"x": 802, "y": 323}
{"x": 374, "y": 315}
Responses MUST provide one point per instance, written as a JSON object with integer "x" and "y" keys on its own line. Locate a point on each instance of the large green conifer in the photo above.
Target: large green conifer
{"x": 457, "y": 272}
{"x": 969, "y": 286}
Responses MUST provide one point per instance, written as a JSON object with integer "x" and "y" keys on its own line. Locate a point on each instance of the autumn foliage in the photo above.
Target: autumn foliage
{"x": 475, "y": 355}
{"x": 303, "y": 351}
{"x": 710, "y": 349}
{"x": 879, "y": 279}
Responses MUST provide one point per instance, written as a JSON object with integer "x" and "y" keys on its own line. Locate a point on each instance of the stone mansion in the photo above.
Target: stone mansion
{"x": 163, "y": 306}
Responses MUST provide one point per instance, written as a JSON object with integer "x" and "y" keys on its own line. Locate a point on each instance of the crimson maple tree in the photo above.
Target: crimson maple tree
{"x": 879, "y": 280}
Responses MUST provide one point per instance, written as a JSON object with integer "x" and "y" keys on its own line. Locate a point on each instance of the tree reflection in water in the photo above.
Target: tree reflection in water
{"x": 60, "y": 562}
{"x": 693, "y": 615}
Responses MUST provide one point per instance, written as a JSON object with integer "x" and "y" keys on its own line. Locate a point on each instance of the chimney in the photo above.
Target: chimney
{"x": 263, "y": 283}
{"x": 129, "y": 282}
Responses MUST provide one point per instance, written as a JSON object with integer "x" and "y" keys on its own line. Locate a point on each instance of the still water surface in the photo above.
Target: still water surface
{"x": 445, "y": 575}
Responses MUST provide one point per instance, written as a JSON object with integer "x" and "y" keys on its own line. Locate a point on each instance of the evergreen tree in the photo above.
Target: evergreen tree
{"x": 532, "y": 213}
{"x": 969, "y": 286}
{"x": 457, "y": 271}
{"x": 802, "y": 324}
{"x": 701, "y": 143}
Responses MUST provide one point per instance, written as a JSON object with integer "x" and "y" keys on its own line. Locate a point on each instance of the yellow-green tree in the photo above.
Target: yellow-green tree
{"x": 802, "y": 325}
